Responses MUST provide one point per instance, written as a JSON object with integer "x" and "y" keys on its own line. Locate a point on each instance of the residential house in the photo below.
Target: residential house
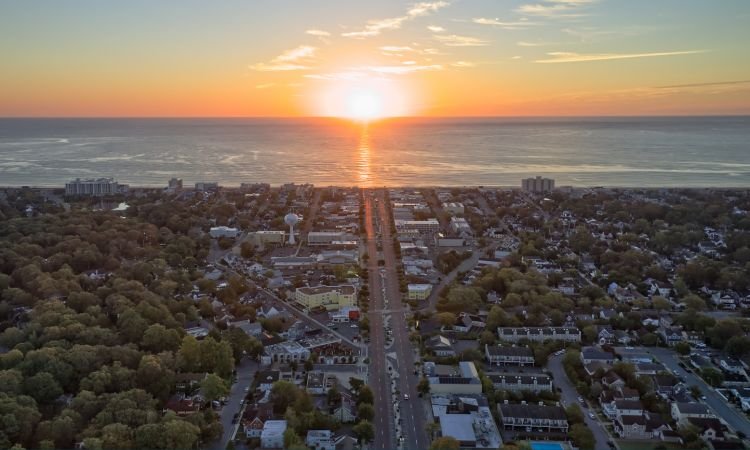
{"x": 500, "y": 355}
{"x": 593, "y": 354}
{"x": 266, "y": 379}
{"x": 528, "y": 417}
{"x": 519, "y": 382}
{"x": 671, "y": 335}
{"x": 539, "y": 334}
{"x": 440, "y": 346}
{"x": 644, "y": 426}
{"x": 320, "y": 440}
{"x": 682, "y": 411}
{"x": 272, "y": 435}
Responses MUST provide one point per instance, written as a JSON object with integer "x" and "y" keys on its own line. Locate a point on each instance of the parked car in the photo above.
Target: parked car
{"x": 406, "y": 396}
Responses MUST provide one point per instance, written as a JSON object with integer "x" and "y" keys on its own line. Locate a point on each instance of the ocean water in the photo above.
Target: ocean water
{"x": 676, "y": 151}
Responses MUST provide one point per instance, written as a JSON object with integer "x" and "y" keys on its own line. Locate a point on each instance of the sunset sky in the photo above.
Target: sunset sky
{"x": 385, "y": 57}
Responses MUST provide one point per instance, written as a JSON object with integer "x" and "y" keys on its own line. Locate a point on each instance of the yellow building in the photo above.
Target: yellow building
{"x": 329, "y": 297}
{"x": 419, "y": 291}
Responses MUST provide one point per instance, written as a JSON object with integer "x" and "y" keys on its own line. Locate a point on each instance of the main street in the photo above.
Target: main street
{"x": 245, "y": 374}
{"x": 411, "y": 412}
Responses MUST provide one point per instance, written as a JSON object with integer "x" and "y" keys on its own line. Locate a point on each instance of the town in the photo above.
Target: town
{"x": 535, "y": 317}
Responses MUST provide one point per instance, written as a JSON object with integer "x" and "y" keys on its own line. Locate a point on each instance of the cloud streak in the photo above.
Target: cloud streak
{"x": 570, "y": 57}
{"x": 555, "y": 8}
{"x": 377, "y": 26}
{"x": 294, "y": 59}
{"x": 517, "y": 25}
{"x": 453, "y": 40}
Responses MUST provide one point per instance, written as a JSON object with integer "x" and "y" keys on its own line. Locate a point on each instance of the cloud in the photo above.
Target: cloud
{"x": 532, "y": 44}
{"x": 319, "y": 33}
{"x": 568, "y": 57}
{"x": 402, "y": 70}
{"x": 265, "y": 85}
{"x": 453, "y": 40}
{"x": 555, "y": 8}
{"x": 396, "y": 48}
{"x": 517, "y": 25}
{"x": 463, "y": 64}
{"x": 703, "y": 85}
{"x": 294, "y": 59}
{"x": 377, "y": 26}
{"x": 517, "y": 57}
{"x": 339, "y": 76}
{"x": 435, "y": 29}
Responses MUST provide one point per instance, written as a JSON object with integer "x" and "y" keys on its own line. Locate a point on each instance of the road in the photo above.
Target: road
{"x": 570, "y": 396}
{"x": 411, "y": 412}
{"x": 735, "y": 420}
{"x": 245, "y": 374}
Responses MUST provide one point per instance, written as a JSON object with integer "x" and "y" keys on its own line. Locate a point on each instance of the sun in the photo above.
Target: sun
{"x": 364, "y": 105}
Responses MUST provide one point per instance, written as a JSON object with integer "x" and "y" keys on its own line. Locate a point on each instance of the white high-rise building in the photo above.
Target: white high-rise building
{"x": 92, "y": 187}
{"x": 538, "y": 185}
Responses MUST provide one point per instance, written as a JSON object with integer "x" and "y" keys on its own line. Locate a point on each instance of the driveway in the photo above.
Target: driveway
{"x": 569, "y": 396}
{"x": 245, "y": 374}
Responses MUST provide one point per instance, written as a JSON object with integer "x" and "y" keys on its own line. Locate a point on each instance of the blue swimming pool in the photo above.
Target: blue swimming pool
{"x": 546, "y": 446}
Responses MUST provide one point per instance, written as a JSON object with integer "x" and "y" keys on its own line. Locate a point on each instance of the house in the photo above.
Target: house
{"x": 671, "y": 335}
{"x": 182, "y": 405}
{"x": 528, "y": 417}
{"x": 665, "y": 384}
{"x": 468, "y": 323}
{"x": 710, "y": 429}
{"x": 731, "y": 365}
{"x": 188, "y": 381}
{"x": 650, "y": 368}
{"x": 612, "y": 381}
{"x": 318, "y": 383}
{"x": 272, "y": 435}
{"x": 606, "y": 335}
{"x": 346, "y": 412}
{"x": 499, "y": 355}
{"x": 593, "y": 354}
{"x": 419, "y": 291}
{"x": 266, "y": 379}
{"x": 644, "y": 426}
{"x": 255, "y": 416}
{"x": 440, "y": 346}
{"x": 681, "y": 411}
{"x": 320, "y": 440}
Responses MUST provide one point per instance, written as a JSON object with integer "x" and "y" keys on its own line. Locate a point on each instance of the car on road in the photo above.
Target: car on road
{"x": 247, "y": 389}
{"x": 592, "y": 416}
{"x": 703, "y": 397}
{"x": 406, "y": 396}
{"x": 354, "y": 325}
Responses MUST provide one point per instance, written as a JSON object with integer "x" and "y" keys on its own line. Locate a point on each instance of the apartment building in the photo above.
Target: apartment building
{"x": 329, "y": 297}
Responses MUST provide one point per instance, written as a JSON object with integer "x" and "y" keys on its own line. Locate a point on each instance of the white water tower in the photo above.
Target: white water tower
{"x": 291, "y": 219}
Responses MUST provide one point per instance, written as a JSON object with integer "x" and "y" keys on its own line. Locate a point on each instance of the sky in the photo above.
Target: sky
{"x": 143, "y": 58}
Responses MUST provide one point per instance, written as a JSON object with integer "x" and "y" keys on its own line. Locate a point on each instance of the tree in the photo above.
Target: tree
{"x": 364, "y": 431}
{"x": 446, "y": 319}
{"x": 189, "y": 355}
{"x": 365, "y": 395}
{"x": 574, "y": 413}
{"x": 445, "y": 443}
{"x": 283, "y": 394}
{"x": 712, "y": 376}
{"x": 291, "y": 438}
{"x": 692, "y": 301}
{"x": 214, "y": 387}
{"x": 365, "y": 411}
{"x": 424, "y": 386}
{"x": 682, "y": 348}
{"x": 738, "y": 346}
{"x": 660, "y": 303}
{"x": 42, "y": 387}
{"x": 582, "y": 436}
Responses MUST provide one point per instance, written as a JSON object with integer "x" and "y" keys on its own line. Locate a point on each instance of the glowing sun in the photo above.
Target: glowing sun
{"x": 362, "y": 99}
{"x": 364, "y": 105}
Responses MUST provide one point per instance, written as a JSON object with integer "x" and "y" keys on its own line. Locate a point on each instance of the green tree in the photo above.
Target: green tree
{"x": 214, "y": 387}
{"x": 445, "y": 443}
{"x": 189, "y": 355}
{"x": 712, "y": 376}
{"x": 738, "y": 346}
{"x": 365, "y": 395}
{"x": 574, "y": 413}
{"x": 423, "y": 386}
{"x": 582, "y": 436}
{"x": 682, "y": 348}
{"x": 364, "y": 431}
{"x": 283, "y": 395}
{"x": 42, "y": 387}
{"x": 365, "y": 411}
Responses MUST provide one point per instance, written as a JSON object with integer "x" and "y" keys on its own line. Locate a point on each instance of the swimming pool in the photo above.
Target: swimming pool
{"x": 546, "y": 446}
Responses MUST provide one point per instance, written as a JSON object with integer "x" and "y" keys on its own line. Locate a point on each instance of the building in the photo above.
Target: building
{"x": 460, "y": 226}
{"x": 329, "y": 297}
{"x": 682, "y": 411}
{"x": 467, "y": 382}
{"x": 266, "y": 379}
{"x": 440, "y": 346}
{"x": 594, "y": 355}
{"x": 533, "y": 418}
{"x": 419, "y": 291}
{"x": 272, "y": 435}
{"x": 453, "y": 208}
{"x": 429, "y": 226}
{"x": 500, "y": 356}
{"x": 174, "y": 185}
{"x": 318, "y": 383}
{"x": 538, "y": 184}
{"x": 265, "y": 238}
{"x": 539, "y": 334}
{"x": 325, "y": 237}
{"x": 218, "y": 232}
{"x": 92, "y": 187}
{"x": 519, "y": 382}
{"x": 205, "y": 186}
{"x": 468, "y": 419}
{"x": 287, "y": 352}
{"x": 320, "y": 440}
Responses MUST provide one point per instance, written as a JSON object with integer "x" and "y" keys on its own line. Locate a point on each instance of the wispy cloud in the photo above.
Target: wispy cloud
{"x": 704, "y": 85}
{"x": 294, "y": 59}
{"x": 265, "y": 85}
{"x": 377, "y": 26}
{"x": 533, "y": 44}
{"x": 570, "y": 57}
{"x": 435, "y": 29}
{"x": 338, "y": 76}
{"x": 555, "y": 8}
{"x": 453, "y": 40}
{"x": 396, "y": 48}
{"x": 405, "y": 69}
{"x": 318, "y": 33}
{"x": 508, "y": 25}
{"x": 463, "y": 64}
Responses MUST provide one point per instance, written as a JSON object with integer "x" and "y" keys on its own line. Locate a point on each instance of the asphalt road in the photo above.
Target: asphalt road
{"x": 378, "y": 375}
{"x": 569, "y": 396}
{"x": 412, "y": 413}
{"x": 245, "y": 373}
{"x": 735, "y": 420}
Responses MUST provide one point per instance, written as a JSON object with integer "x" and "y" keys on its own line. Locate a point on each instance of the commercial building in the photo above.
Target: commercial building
{"x": 175, "y": 184}
{"x": 538, "y": 185}
{"x": 419, "y": 291}
{"x": 467, "y": 382}
{"x": 286, "y": 352}
{"x": 468, "y": 419}
{"x": 460, "y": 226}
{"x": 325, "y": 237}
{"x": 539, "y": 334}
{"x": 204, "y": 186}
{"x": 217, "y": 232}
{"x": 429, "y": 226}
{"x": 92, "y": 187}
{"x": 263, "y": 238}
{"x": 329, "y": 297}
{"x": 272, "y": 435}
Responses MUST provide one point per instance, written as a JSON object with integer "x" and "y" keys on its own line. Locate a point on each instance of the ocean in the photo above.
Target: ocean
{"x": 631, "y": 152}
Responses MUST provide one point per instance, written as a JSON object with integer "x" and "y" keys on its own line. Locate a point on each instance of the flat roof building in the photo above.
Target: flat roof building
{"x": 329, "y": 297}
{"x": 92, "y": 187}
{"x": 538, "y": 184}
